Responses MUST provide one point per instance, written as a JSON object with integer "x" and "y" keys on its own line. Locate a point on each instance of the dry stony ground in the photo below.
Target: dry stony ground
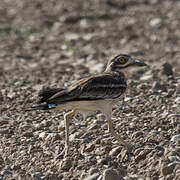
{"x": 54, "y": 43}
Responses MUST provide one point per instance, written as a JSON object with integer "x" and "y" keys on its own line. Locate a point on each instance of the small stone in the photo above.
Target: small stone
{"x": 94, "y": 127}
{"x": 146, "y": 77}
{"x": 160, "y": 150}
{"x": 11, "y": 95}
{"x": 167, "y": 170}
{"x": 6, "y": 172}
{"x": 37, "y": 176}
{"x": 110, "y": 174}
{"x": 156, "y": 22}
{"x": 176, "y": 138}
{"x": 42, "y": 135}
{"x": 105, "y": 161}
{"x": 142, "y": 155}
{"x": 4, "y": 120}
{"x": 66, "y": 164}
{"x": 92, "y": 177}
{"x": 177, "y": 100}
{"x": 89, "y": 148}
{"x": 4, "y": 131}
{"x": 174, "y": 159}
{"x": 83, "y": 175}
{"x": 159, "y": 87}
{"x": 93, "y": 171}
{"x": 115, "y": 151}
{"x": 137, "y": 134}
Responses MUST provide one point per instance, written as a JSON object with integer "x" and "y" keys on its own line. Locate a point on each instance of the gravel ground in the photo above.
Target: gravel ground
{"x": 53, "y": 43}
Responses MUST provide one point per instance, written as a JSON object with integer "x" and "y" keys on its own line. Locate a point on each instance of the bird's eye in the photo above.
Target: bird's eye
{"x": 122, "y": 60}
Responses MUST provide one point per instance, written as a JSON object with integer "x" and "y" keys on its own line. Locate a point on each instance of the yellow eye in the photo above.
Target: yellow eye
{"x": 122, "y": 60}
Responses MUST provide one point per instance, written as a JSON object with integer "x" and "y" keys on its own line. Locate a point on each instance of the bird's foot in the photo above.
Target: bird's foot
{"x": 127, "y": 153}
{"x": 65, "y": 151}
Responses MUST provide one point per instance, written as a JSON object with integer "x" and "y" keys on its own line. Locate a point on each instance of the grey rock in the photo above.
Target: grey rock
{"x": 137, "y": 134}
{"x": 142, "y": 155}
{"x": 4, "y": 120}
{"x": 166, "y": 170}
{"x": 94, "y": 127}
{"x": 115, "y": 151}
{"x": 66, "y": 164}
{"x": 105, "y": 161}
{"x": 6, "y": 172}
{"x": 177, "y": 100}
{"x": 110, "y": 174}
{"x": 176, "y": 138}
{"x": 83, "y": 176}
{"x": 93, "y": 177}
{"x": 93, "y": 171}
{"x": 156, "y": 22}
{"x": 4, "y": 131}
{"x": 159, "y": 87}
{"x": 42, "y": 135}
{"x": 37, "y": 176}
{"x": 174, "y": 158}
{"x": 89, "y": 148}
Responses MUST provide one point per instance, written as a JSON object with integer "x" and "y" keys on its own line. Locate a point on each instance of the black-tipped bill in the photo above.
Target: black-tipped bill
{"x": 139, "y": 63}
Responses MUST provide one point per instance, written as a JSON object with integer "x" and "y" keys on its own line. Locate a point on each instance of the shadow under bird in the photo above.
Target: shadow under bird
{"x": 96, "y": 92}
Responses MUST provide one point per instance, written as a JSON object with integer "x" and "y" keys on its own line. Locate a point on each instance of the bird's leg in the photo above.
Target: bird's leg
{"x": 67, "y": 117}
{"x": 117, "y": 137}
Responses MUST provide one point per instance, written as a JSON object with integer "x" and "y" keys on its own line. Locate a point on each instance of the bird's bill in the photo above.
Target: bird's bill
{"x": 137, "y": 62}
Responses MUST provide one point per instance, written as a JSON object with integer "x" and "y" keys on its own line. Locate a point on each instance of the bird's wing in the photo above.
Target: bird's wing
{"x": 104, "y": 86}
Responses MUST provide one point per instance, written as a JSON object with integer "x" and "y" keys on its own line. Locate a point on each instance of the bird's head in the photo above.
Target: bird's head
{"x": 123, "y": 61}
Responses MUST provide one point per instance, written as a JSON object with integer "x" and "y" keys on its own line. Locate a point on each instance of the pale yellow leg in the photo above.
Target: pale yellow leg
{"x": 67, "y": 117}
{"x": 117, "y": 137}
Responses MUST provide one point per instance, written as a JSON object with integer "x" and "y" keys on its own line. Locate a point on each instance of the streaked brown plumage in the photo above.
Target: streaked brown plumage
{"x": 97, "y": 92}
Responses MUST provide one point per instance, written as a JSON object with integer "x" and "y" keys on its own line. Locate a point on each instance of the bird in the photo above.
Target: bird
{"x": 99, "y": 92}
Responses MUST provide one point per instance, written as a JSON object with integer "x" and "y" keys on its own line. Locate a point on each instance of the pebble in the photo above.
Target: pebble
{"x": 115, "y": 151}
{"x": 4, "y": 120}
{"x": 66, "y": 164}
{"x": 89, "y": 148}
{"x": 4, "y": 131}
{"x": 137, "y": 134}
{"x": 156, "y": 22}
{"x": 37, "y": 176}
{"x": 167, "y": 170}
{"x": 176, "y": 138}
{"x": 142, "y": 155}
{"x": 174, "y": 158}
{"x": 42, "y": 135}
{"x": 177, "y": 100}
{"x": 94, "y": 127}
{"x": 105, "y": 160}
{"x": 93, "y": 177}
{"x": 110, "y": 174}
{"x": 159, "y": 87}
{"x": 5, "y": 172}
{"x": 93, "y": 171}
